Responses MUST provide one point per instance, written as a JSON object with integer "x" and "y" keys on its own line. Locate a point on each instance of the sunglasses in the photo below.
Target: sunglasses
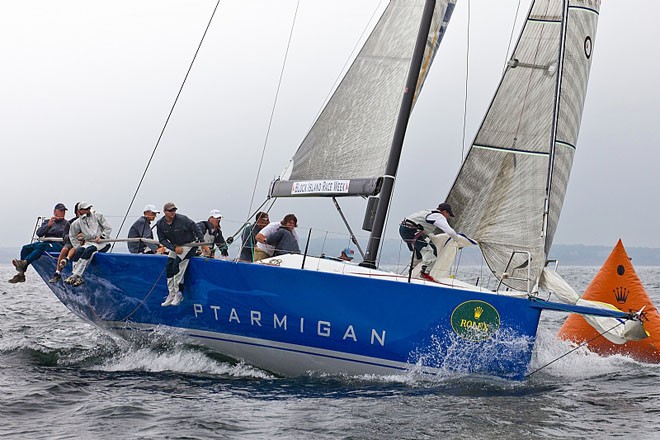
{"x": 171, "y": 210}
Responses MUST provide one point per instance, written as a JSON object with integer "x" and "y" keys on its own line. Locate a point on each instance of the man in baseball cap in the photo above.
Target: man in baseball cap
{"x": 177, "y": 233}
{"x": 213, "y": 233}
{"x": 415, "y": 230}
{"x": 141, "y": 231}
{"x": 347, "y": 254}
{"x": 50, "y": 228}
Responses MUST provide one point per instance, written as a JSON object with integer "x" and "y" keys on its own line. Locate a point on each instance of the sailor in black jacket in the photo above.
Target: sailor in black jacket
{"x": 176, "y": 232}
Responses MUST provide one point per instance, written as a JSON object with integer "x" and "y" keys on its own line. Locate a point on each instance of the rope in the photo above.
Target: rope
{"x": 167, "y": 120}
{"x": 573, "y": 350}
{"x": 272, "y": 112}
{"x": 247, "y": 221}
{"x": 126, "y": 318}
{"x": 143, "y": 300}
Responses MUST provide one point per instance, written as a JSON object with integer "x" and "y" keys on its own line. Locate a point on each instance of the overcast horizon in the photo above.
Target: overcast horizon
{"x": 86, "y": 88}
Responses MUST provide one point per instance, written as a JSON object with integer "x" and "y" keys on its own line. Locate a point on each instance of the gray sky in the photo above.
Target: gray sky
{"x": 86, "y": 86}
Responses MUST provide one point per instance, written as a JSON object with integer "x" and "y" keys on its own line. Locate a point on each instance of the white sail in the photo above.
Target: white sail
{"x": 510, "y": 190}
{"x": 346, "y": 150}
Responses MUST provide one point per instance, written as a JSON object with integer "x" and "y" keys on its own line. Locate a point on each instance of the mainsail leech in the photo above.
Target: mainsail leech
{"x": 347, "y": 149}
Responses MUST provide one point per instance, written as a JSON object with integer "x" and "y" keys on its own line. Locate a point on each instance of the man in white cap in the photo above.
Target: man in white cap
{"x": 142, "y": 229}
{"x": 213, "y": 233}
{"x": 176, "y": 232}
{"x": 87, "y": 235}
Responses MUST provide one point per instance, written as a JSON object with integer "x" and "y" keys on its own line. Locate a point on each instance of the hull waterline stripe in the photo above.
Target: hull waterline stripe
{"x": 292, "y": 350}
{"x": 254, "y": 344}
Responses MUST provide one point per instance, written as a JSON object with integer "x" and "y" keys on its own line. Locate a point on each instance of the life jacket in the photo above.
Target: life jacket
{"x": 420, "y": 219}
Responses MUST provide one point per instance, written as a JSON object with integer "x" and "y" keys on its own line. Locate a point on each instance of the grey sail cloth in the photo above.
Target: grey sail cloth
{"x": 521, "y": 158}
{"x": 351, "y": 139}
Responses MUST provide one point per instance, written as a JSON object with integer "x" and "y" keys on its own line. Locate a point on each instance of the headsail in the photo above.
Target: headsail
{"x": 346, "y": 151}
{"x": 510, "y": 190}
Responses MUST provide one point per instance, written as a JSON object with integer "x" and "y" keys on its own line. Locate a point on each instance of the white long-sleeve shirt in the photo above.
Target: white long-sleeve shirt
{"x": 430, "y": 220}
{"x": 92, "y": 226}
{"x": 269, "y": 230}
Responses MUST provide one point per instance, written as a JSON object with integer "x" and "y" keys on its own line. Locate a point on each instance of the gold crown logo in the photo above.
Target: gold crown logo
{"x": 477, "y": 312}
{"x": 621, "y": 294}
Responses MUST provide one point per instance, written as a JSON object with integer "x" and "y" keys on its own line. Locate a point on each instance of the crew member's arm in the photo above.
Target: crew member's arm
{"x": 440, "y": 221}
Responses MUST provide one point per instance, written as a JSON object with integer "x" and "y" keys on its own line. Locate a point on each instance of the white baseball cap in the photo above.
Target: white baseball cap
{"x": 215, "y": 213}
{"x": 151, "y": 208}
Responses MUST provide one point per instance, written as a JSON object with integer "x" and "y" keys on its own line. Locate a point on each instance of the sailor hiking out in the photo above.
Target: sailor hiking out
{"x": 176, "y": 232}
{"x": 86, "y": 235}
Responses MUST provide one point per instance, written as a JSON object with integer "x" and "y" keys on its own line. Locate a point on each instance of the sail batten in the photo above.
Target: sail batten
{"x": 510, "y": 150}
{"x": 352, "y": 137}
{"x": 509, "y": 192}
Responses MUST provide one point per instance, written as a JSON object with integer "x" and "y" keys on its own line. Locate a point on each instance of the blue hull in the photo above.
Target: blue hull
{"x": 291, "y": 321}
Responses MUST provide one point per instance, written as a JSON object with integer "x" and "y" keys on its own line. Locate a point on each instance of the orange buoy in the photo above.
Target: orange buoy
{"x": 617, "y": 283}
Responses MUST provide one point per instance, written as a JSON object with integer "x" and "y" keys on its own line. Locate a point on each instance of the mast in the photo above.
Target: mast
{"x": 555, "y": 121}
{"x": 385, "y": 194}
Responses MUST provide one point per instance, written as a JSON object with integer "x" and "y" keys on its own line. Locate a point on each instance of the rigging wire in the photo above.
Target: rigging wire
{"x": 513, "y": 28}
{"x": 167, "y": 120}
{"x": 467, "y": 79}
{"x": 272, "y": 113}
{"x": 573, "y": 350}
{"x": 342, "y": 72}
{"x": 250, "y": 216}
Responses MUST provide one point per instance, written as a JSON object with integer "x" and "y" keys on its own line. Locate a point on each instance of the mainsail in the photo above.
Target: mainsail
{"x": 509, "y": 192}
{"x": 345, "y": 152}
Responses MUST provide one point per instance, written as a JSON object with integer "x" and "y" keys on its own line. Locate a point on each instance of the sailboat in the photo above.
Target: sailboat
{"x": 295, "y": 314}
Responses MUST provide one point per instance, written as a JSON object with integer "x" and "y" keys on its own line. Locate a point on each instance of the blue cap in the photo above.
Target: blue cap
{"x": 348, "y": 252}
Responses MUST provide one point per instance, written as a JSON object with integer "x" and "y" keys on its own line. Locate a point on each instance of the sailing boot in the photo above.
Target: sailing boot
{"x": 78, "y": 281}
{"x": 20, "y": 265}
{"x": 177, "y": 299}
{"x": 56, "y": 278}
{"x": 18, "y": 278}
{"x": 427, "y": 277}
{"x": 168, "y": 300}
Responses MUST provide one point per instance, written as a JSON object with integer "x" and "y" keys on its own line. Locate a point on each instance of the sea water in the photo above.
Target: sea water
{"x": 61, "y": 378}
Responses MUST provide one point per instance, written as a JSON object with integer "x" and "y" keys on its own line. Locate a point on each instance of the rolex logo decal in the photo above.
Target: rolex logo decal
{"x": 475, "y": 320}
{"x": 621, "y": 294}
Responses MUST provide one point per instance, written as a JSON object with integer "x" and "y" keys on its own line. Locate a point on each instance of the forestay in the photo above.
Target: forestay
{"x": 345, "y": 152}
{"x": 510, "y": 190}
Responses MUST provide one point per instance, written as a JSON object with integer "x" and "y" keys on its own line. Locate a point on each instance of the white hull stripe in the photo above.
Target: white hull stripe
{"x": 263, "y": 343}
